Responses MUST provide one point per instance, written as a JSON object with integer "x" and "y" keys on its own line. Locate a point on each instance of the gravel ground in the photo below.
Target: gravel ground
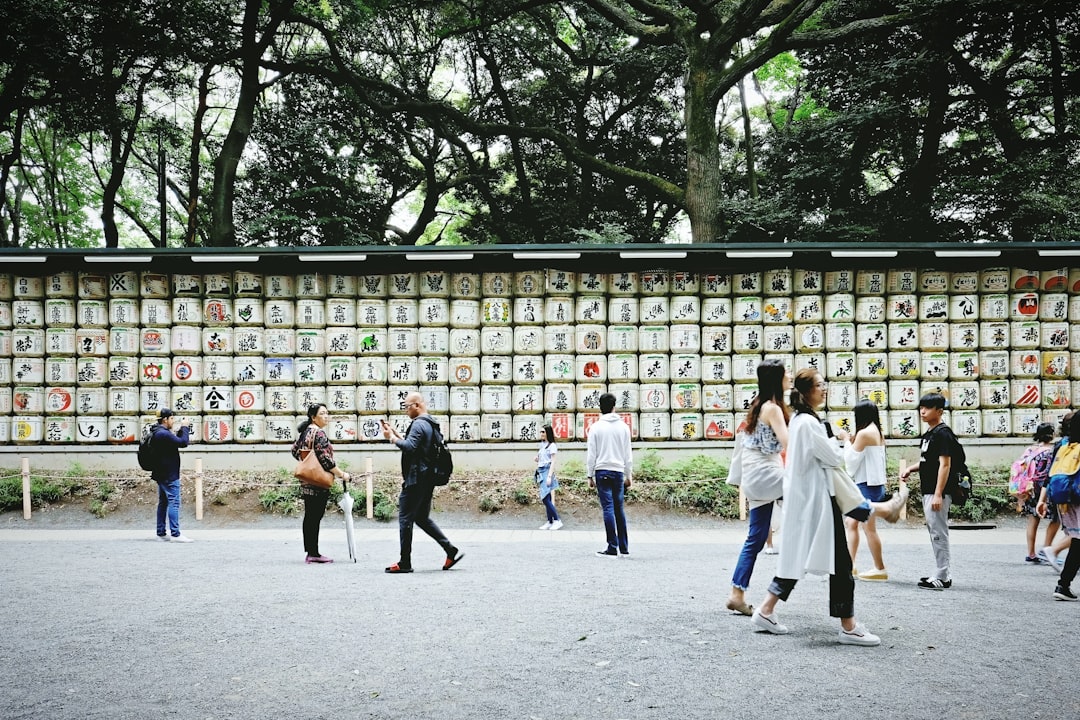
{"x": 104, "y": 621}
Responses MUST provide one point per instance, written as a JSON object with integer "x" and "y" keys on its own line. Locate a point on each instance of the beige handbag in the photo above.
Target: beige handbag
{"x": 310, "y": 471}
{"x": 847, "y": 494}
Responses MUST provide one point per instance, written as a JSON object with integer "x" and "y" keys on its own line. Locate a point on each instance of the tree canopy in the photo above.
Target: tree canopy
{"x": 344, "y": 122}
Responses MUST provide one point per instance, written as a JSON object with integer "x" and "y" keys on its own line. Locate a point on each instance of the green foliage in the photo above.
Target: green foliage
{"x": 696, "y": 483}
{"x": 989, "y": 497}
{"x": 384, "y": 510}
{"x": 524, "y": 493}
{"x": 99, "y": 502}
{"x": 490, "y": 502}
{"x": 42, "y": 490}
{"x": 283, "y": 499}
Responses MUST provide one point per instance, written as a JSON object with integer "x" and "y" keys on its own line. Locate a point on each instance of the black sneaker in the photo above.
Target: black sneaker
{"x": 1062, "y": 592}
{"x": 610, "y": 552}
{"x": 928, "y": 583}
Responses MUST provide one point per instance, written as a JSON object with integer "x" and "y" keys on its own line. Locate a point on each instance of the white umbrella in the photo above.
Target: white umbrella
{"x": 346, "y": 505}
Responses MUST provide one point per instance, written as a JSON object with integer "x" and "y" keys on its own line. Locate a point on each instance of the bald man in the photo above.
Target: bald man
{"x": 414, "y": 503}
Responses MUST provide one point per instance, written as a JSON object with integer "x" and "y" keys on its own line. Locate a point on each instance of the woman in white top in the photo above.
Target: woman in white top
{"x": 545, "y": 478}
{"x": 813, "y": 536}
{"x": 865, "y": 461}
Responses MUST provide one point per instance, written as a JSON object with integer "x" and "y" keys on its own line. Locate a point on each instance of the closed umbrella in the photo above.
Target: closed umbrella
{"x": 346, "y": 505}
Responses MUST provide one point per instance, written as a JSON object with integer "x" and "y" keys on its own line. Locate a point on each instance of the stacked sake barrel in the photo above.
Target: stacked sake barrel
{"x": 90, "y": 358}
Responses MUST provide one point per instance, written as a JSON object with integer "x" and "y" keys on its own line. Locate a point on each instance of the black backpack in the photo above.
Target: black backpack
{"x": 148, "y": 459}
{"x": 440, "y": 462}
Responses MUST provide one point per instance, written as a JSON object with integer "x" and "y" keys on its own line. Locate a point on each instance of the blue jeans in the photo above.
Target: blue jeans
{"x": 610, "y": 491}
{"x": 168, "y": 504}
{"x": 549, "y": 506}
{"x": 760, "y": 522}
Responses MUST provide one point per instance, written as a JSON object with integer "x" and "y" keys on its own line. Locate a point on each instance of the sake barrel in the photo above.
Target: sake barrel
{"x": 497, "y": 284}
{"x": 279, "y": 371}
{"x": 623, "y": 283}
{"x": 91, "y": 371}
{"x": 903, "y": 394}
{"x": 250, "y": 398}
{"x": 340, "y": 369}
{"x": 155, "y": 312}
{"x": 654, "y": 426}
{"x": 684, "y": 367}
{"x": 842, "y": 420}
{"x": 717, "y": 311}
{"x": 808, "y": 338}
{"x": 684, "y": 283}
{"x": 495, "y": 399}
{"x": 717, "y": 339}
{"x": 687, "y": 338}
{"x": 685, "y": 396}
{"x": 341, "y": 341}
{"x": 778, "y": 339}
{"x": 217, "y": 341}
{"x": 30, "y": 288}
{"x": 994, "y": 393}
{"x": 339, "y": 398}
{"x": 281, "y": 429}
{"x": 279, "y": 313}
{"x": 464, "y": 428}
{"x": 871, "y": 337}
{"x": 1023, "y": 279}
{"x": 91, "y": 429}
{"x": 653, "y": 282}
{"x": 655, "y": 396}
{"x": 934, "y": 366}
{"x": 311, "y": 313}
{"x": 748, "y": 339}
{"x": 623, "y": 310}
{"x": 620, "y": 338}
{"x": 341, "y": 428}
{"x": 28, "y": 400}
{"x": 1025, "y": 421}
{"x": 464, "y": 370}
{"x": 466, "y": 341}
{"x": 402, "y": 312}
{"x": 433, "y": 311}
{"x": 529, "y": 283}
{"x": 559, "y": 368}
{"x": 964, "y": 307}
{"x": 717, "y": 284}
{"x": 964, "y": 395}
{"x": 123, "y": 370}
{"x": 6, "y": 372}
{"x": 59, "y": 312}
{"x": 624, "y": 367}
{"x": 842, "y": 395}
{"x": 687, "y": 426}
{"x": 744, "y": 368}
{"x": 627, "y": 396}
{"x": 871, "y": 366}
{"x": 250, "y": 341}
{"x": 1056, "y": 393}
{"x": 529, "y": 339}
{"x": 59, "y": 430}
{"x": 185, "y": 340}
{"x": 91, "y": 400}
{"x": 217, "y": 429}
{"x": 1074, "y": 364}
{"x": 373, "y": 341}
{"x": 933, "y": 308}
{"x": 563, "y": 425}
{"x": 901, "y": 280}
{"x": 964, "y": 336}
{"x": 653, "y": 338}
{"x": 371, "y": 312}
{"x": 152, "y": 370}
{"x": 57, "y": 371}
{"x": 464, "y": 399}
{"x": 434, "y": 340}
{"x": 994, "y": 307}
{"x": 904, "y": 365}
{"x": 719, "y": 426}
{"x": 686, "y": 309}
{"x": 747, "y": 310}
{"x": 997, "y": 422}
{"x": 591, "y": 283}
{"x": 994, "y": 364}
{"x": 311, "y": 343}
{"x": 465, "y": 286}
{"x": 593, "y": 309}
{"x": 964, "y": 282}
{"x": 528, "y": 311}
{"x": 963, "y": 366}
{"x": 58, "y": 341}
{"x": 248, "y": 312}
{"x": 839, "y": 281}
{"x": 1024, "y": 306}
{"x": 373, "y": 286}
{"x": 592, "y": 368}
{"x": 1056, "y": 365}
{"x": 496, "y": 369}
{"x": 187, "y": 370}
{"x": 777, "y": 282}
{"x": 1054, "y": 336}
{"x": 994, "y": 280}
{"x": 743, "y": 395}
{"x": 372, "y": 400}
{"x": 527, "y": 398}
{"x": 434, "y": 283}
{"x": 27, "y": 429}
{"x": 186, "y": 311}
{"x": 309, "y": 370}
{"x": 839, "y": 337}
{"x": 152, "y": 399}
{"x": 1054, "y": 306}
{"x": 1025, "y": 335}
{"x": 558, "y": 310}
{"x": 1026, "y": 392}
{"x": 870, "y": 309}
{"x": 840, "y": 366}
{"x": 433, "y": 370}
{"x": 994, "y": 335}
{"x": 308, "y": 395}
{"x": 496, "y": 427}
{"x": 496, "y": 341}
{"x": 248, "y": 370}
{"x": 250, "y": 428}
{"x": 901, "y": 308}
{"x": 716, "y": 368}
{"x": 1054, "y": 281}
{"x": 654, "y": 367}
{"x": 588, "y": 396}
{"x": 933, "y": 336}
{"x": 717, "y": 397}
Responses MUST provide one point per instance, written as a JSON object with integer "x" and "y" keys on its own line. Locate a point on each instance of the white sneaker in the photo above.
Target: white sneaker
{"x": 182, "y": 539}
{"x": 1051, "y": 558}
{"x": 858, "y": 635}
{"x": 545, "y": 526}
{"x": 556, "y": 525}
{"x": 163, "y": 538}
{"x": 768, "y": 624}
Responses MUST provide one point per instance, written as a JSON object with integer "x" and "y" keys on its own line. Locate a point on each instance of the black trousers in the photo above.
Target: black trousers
{"x": 1072, "y": 564}
{"x": 314, "y": 509}
{"x": 414, "y": 508}
{"x": 841, "y": 583}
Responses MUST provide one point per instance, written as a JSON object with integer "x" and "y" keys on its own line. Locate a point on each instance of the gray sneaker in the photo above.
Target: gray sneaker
{"x": 163, "y": 538}
{"x": 767, "y": 624}
{"x": 858, "y": 635}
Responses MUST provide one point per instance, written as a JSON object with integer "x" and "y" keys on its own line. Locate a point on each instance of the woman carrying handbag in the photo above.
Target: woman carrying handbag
{"x": 315, "y": 489}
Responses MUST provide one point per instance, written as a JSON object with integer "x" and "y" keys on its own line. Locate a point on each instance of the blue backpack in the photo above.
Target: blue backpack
{"x": 1064, "y": 484}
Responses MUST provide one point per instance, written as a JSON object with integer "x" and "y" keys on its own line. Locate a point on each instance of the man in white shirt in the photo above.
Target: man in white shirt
{"x": 609, "y": 462}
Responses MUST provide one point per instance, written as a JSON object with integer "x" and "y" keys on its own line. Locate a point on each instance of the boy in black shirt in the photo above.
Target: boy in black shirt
{"x": 939, "y": 454}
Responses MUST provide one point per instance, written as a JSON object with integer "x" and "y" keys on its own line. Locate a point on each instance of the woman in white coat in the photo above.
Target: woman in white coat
{"x": 813, "y": 539}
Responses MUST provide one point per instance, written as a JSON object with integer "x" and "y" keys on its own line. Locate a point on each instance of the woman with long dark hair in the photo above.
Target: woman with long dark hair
{"x": 865, "y": 462}
{"x": 813, "y": 537}
{"x": 545, "y": 478}
{"x": 310, "y": 434}
{"x": 763, "y": 440}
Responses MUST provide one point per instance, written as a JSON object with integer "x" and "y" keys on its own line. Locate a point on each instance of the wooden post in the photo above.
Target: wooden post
{"x": 742, "y": 504}
{"x": 370, "y": 488}
{"x": 903, "y": 510}
{"x": 26, "y": 488}
{"x": 198, "y": 489}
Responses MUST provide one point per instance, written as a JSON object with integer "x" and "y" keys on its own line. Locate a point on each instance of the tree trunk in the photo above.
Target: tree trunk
{"x": 748, "y": 141}
{"x": 194, "y": 165}
{"x": 702, "y": 153}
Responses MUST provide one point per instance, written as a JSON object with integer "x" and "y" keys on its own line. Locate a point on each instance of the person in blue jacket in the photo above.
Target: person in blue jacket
{"x": 165, "y": 445}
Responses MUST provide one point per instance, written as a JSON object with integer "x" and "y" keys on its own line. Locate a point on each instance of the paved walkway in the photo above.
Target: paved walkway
{"x": 108, "y": 622}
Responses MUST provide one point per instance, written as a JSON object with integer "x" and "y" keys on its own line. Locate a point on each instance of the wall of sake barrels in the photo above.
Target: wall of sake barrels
{"x": 88, "y": 358}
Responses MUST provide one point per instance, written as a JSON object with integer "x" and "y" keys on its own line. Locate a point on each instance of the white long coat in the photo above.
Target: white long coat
{"x": 806, "y": 537}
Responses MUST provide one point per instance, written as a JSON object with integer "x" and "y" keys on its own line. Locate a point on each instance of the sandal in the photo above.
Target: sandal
{"x": 742, "y": 608}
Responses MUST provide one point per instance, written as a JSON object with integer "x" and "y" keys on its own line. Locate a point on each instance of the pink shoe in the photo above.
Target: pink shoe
{"x": 317, "y": 559}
